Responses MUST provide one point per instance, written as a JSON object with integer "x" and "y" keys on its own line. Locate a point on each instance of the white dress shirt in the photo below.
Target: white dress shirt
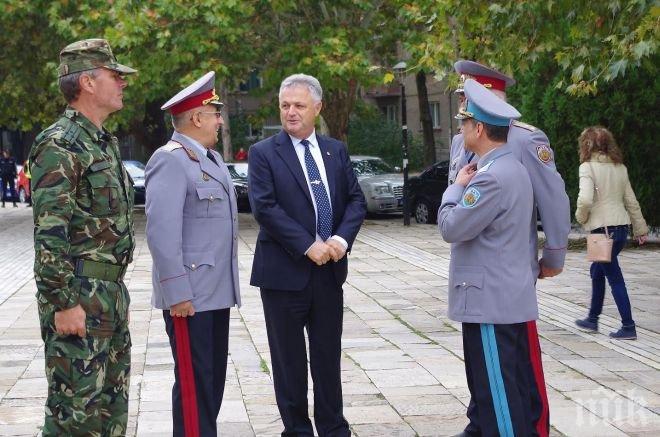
{"x": 315, "y": 150}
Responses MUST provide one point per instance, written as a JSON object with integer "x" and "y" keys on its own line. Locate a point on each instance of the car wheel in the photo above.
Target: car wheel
{"x": 21, "y": 195}
{"x": 422, "y": 212}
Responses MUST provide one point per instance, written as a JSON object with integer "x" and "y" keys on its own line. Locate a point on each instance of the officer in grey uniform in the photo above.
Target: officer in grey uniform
{"x": 532, "y": 148}
{"x": 484, "y": 215}
{"x": 192, "y": 233}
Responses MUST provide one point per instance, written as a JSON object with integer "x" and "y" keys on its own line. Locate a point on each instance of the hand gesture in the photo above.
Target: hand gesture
{"x": 466, "y": 174}
{"x": 182, "y": 309}
{"x": 548, "y": 272}
{"x": 71, "y": 321}
{"x": 338, "y": 250}
{"x": 320, "y": 253}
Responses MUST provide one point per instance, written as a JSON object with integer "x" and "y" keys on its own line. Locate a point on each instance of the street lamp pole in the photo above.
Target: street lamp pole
{"x": 399, "y": 70}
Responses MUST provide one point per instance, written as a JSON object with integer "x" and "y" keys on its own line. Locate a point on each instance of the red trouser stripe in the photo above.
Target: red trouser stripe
{"x": 186, "y": 377}
{"x": 537, "y": 366}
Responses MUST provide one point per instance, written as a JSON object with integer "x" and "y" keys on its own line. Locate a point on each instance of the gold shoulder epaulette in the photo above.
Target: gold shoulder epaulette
{"x": 171, "y": 145}
{"x": 174, "y": 145}
{"x": 529, "y": 127}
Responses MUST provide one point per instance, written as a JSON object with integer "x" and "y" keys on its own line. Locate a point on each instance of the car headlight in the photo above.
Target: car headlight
{"x": 382, "y": 189}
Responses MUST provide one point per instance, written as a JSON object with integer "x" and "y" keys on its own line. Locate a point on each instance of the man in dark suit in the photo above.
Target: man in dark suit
{"x": 309, "y": 206}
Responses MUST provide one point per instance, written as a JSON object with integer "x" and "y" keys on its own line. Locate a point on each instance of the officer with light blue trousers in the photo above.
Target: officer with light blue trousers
{"x": 485, "y": 215}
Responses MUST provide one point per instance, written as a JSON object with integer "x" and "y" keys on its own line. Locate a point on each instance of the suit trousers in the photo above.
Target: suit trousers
{"x": 318, "y": 308}
{"x": 505, "y": 379}
{"x": 199, "y": 347}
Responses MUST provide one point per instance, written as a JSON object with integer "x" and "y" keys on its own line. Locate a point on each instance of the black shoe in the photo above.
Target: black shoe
{"x": 15, "y": 206}
{"x": 625, "y": 333}
{"x": 589, "y": 325}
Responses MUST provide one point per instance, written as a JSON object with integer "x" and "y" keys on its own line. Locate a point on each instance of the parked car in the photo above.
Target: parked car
{"x": 136, "y": 170}
{"x": 22, "y": 185}
{"x": 241, "y": 168}
{"x": 381, "y": 184}
{"x": 238, "y": 172}
{"x": 426, "y": 192}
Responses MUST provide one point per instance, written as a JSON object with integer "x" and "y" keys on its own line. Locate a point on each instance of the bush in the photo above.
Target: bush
{"x": 370, "y": 133}
{"x": 624, "y": 106}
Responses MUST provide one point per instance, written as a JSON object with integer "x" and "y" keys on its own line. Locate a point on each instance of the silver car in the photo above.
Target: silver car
{"x": 381, "y": 184}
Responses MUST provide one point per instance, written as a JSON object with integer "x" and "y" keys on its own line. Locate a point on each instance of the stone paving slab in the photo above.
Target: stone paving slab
{"x": 402, "y": 362}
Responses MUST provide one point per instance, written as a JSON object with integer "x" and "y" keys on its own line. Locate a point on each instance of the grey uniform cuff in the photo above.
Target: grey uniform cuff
{"x": 554, "y": 258}
{"x": 176, "y": 290}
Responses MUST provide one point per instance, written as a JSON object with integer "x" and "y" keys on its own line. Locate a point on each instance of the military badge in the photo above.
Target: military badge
{"x": 544, "y": 153}
{"x": 471, "y": 197}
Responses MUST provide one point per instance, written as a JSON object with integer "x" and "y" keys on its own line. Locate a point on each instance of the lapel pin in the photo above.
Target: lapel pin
{"x": 328, "y": 153}
{"x": 205, "y": 176}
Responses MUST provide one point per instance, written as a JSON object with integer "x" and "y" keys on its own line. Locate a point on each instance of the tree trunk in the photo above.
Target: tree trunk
{"x": 425, "y": 118}
{"x": 151, "y": 133}
{"x": 337, "y": 107}
{"x": 227, "y": 150}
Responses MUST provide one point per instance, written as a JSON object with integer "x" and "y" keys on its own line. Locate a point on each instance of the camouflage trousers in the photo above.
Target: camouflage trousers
{"x": 88, "y": 378}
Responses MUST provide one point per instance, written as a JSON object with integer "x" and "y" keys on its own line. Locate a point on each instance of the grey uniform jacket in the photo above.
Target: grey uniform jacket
{"x": 487, "y": 223}
{"x": 192, "y": 228}
{"x": 532, "y": 148}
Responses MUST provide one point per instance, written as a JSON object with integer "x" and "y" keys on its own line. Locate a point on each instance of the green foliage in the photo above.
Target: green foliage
{"x": 370, "y": 133}
{"x": 592, "y": 42}
{"x": 628, "y": 109}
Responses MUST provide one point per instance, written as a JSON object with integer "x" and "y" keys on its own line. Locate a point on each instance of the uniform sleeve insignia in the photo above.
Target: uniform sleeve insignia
{"x": 544, "y": 153}
{"x": 529, "y": 127}
{"x": 470, "y": 197}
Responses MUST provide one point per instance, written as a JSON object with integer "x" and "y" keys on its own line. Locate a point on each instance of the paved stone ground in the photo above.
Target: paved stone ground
{"x": 402, "y": 358}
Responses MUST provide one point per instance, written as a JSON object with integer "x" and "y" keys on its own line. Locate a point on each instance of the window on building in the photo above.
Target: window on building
{"x": 391, "y": 113}
{"x": 435, "y": 114}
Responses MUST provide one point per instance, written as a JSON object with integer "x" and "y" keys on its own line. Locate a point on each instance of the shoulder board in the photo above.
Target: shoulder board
{"x": 171, "y": 145}
{"x": 529, "y": 127}
{"x": 71, "y": 132}
{"x": 49, "y": 132}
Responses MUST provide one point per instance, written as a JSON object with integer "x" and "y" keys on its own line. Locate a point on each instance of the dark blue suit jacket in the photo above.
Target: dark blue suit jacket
{"x": 282, "y": 205}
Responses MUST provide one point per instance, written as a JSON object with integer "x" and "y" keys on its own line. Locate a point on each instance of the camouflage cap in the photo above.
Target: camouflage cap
{"x": 89, "y": 54}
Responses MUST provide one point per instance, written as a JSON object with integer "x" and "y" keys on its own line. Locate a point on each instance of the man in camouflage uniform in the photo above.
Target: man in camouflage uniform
{"x": 83, "y": 242}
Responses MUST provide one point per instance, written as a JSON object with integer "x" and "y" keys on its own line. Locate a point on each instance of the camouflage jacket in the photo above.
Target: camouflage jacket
{"x": 82, "y": 205}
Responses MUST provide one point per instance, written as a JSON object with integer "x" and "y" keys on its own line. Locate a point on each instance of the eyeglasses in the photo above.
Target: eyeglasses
{"x": 218, "y": 114}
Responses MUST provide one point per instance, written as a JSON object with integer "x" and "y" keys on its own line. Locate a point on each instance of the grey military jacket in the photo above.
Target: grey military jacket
{"x": 487, "y": 223}
{"x": 532, "y": 148}
{"x": 192, "y": 228}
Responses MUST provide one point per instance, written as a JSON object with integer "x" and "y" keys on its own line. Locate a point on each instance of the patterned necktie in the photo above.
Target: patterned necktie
{"x": 323, "y": 208}
{"x": 210, "y": 156}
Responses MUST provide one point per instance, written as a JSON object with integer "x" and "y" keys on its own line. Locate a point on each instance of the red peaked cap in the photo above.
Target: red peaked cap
{"x": 488, "y": 77}
{"x": 199, "y": 93}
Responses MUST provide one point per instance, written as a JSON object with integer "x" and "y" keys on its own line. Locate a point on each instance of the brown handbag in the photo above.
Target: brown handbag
{"x": 599, "y": 246}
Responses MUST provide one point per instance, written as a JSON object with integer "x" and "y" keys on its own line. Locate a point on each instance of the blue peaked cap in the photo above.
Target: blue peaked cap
{"x": 486, "y": 107}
